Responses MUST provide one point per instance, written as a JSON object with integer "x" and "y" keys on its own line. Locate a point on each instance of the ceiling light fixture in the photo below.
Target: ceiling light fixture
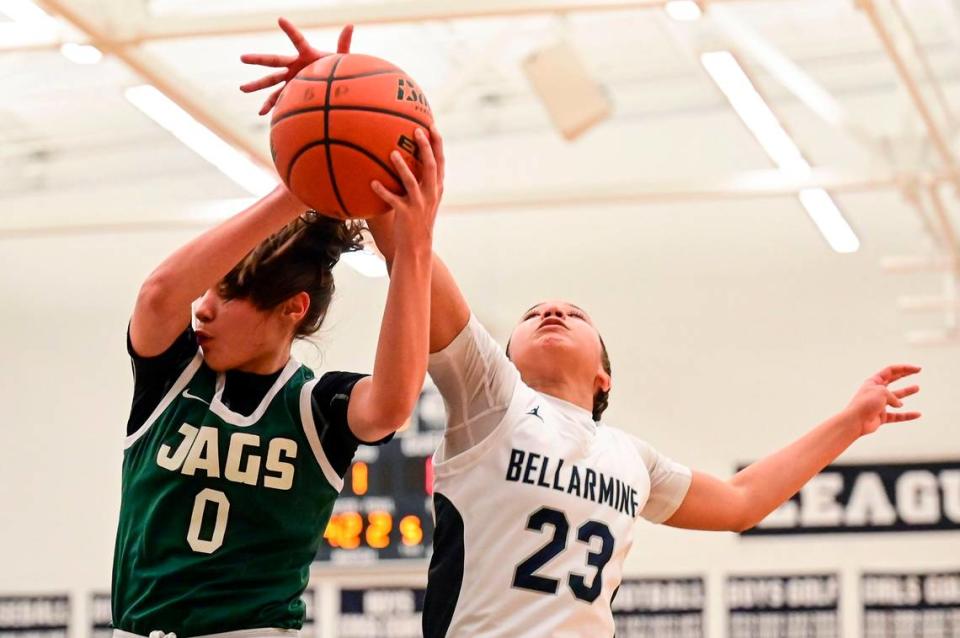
{"x": 201, "y": 140}
{"x": 81, "y": 53}
{"x": 758, "y": 117}
{"x": 683, "y": 10}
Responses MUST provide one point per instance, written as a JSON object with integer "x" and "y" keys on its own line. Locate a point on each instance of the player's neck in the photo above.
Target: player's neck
{"x": 564, "y": 389}
{"x": 267, "y": 362}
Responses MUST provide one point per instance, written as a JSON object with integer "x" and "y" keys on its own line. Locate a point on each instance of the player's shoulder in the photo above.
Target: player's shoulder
{"x": 321, "y": 383}
{"x": 333, "y": 382}
{"x": 326, "y": 389}
{"x": 294, "y": 380}
{"x": 626, "y": 440}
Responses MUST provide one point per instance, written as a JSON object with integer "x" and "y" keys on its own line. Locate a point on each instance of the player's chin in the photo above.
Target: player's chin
{"x": 214, "y": 359}
{"x": 555, "y": 339}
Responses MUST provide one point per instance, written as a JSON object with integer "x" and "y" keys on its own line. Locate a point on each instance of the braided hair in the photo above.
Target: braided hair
{"x": 601, "y": 400}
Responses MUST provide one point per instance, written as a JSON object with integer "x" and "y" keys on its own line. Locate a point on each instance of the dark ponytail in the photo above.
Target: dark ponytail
{"x": 602, "y": 398}
{"x": 298, "y": 258}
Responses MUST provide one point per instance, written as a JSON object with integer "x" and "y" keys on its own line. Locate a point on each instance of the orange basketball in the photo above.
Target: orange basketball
{"x": 334, "y": 127}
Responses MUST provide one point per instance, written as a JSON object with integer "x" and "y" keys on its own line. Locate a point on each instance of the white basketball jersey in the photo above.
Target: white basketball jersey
{"x": 535, "y": 504}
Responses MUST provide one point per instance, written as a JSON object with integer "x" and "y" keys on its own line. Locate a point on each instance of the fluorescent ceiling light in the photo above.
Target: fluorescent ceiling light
{"x": 828, "y": 218}
{"x": 26, "y": 14}
{"x": 81, "y": 53}
{"x": 29, "y": 26}
{"x": 366, "y": 263}
{"x": 730, "y": 77}
{"x": 795, "y": 79}
{"x": 683, "y": 10}
{"x": 734, "y": 83}
{"x": 204, "y": 142}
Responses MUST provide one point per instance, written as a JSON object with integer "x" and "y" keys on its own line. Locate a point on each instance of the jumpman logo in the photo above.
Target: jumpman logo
{"x": 535, "y": 412}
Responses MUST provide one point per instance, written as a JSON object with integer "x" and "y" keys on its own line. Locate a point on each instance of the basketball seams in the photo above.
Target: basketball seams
{"x": 374, "y": 109}
{"x": 299, "y": 153}
{"x": 368, "y": 109}
{"x": 315, "y": 78}
{"x": 326, "y": 137}
{"x": 356, "y": 147}
{"x": 328, "y": 142}
{"x": 368, "y": 154}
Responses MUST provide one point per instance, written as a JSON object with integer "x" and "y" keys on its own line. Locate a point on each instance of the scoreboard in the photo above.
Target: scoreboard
{"x": 385, "y": 509}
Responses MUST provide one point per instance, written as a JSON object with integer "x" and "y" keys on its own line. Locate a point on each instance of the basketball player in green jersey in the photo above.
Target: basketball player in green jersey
{"x": 235, "y": 453}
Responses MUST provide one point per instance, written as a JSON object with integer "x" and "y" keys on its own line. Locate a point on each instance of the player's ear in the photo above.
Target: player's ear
{"x": 603, "y": 381}
{"x": 295, "y": 307}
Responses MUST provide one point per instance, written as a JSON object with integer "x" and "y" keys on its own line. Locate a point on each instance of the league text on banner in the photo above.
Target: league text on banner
{"x": 894, "y": 497}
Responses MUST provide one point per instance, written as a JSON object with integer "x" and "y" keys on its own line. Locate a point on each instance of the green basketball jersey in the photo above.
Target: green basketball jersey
{"x": 221, "y": 514}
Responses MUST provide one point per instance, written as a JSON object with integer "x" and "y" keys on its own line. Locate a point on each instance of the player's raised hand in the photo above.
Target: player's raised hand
{"x": 291, "y": 64}
{"x": 415, "y": 211}
{"x": 871, "y": 401}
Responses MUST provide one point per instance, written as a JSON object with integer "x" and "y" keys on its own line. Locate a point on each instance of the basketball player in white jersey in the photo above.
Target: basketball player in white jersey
{"x": 536, "y": 499}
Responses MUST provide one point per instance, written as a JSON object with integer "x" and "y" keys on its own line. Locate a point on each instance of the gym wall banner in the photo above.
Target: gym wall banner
{"x": 34, "y": 616}
{"x": 893, "y": 497}
{"x": 375, "y": 612}
{"x": 100, "y": 615}
{"x": 912, "y": 605}
{"x": 784, "y": 606}
{"x": 659, "y": 608}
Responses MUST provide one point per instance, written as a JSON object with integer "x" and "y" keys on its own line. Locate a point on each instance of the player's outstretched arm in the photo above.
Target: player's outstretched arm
{"x": 381, "y": 403}
{"x": 162, "y": 309}
{"x": 449, "y": 310}
{"x": 747, "y": 498}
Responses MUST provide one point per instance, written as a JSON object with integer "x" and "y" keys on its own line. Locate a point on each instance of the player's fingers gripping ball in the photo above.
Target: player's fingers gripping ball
{"x": 334, "y": 127}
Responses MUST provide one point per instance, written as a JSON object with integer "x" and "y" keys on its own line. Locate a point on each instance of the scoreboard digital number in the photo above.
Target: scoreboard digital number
{"x": 384, "y": 511}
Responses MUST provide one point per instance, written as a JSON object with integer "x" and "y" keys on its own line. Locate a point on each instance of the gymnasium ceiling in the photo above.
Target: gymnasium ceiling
{"x": 64, "y": 125}
{"x": 77, "y": 156}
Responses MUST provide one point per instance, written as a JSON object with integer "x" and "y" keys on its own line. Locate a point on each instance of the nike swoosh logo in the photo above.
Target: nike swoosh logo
{"x": 186, "y": 395}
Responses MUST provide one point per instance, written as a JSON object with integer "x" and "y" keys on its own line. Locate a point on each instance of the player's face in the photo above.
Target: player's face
{"x": 557, "y": 336}
{"x": 235, "y": 334}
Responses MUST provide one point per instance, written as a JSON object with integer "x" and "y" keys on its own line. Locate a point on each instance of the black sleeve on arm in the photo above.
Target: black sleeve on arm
{"x": 331, "y": 396}
{"x": 153, "y": 376}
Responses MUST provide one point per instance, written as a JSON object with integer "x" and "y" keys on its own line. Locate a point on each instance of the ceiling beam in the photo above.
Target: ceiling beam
{"x": 201, "y": 25}
{"x": 398, "y": 12}
{"x": 946, "y": 225}
{"x": 939, "y": 138}
{"x": 935, "y": 134}
{"x": 49, "y": 216}
{"x": 920, "y": 56}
